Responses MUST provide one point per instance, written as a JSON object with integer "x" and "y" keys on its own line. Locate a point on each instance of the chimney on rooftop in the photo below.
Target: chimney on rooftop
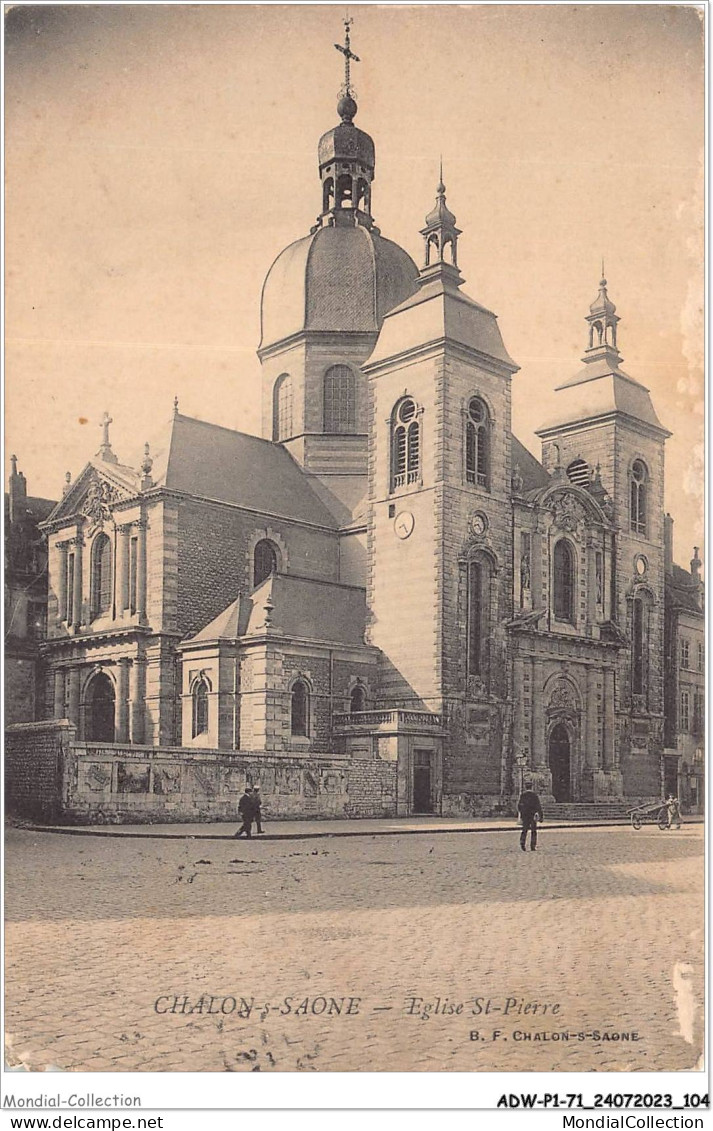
{"x": 696, "y": 566}
{"x": 17, "y": 494}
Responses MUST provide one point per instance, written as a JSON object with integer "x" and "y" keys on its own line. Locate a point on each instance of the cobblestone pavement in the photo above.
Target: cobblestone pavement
{"x": 110, "y": 943}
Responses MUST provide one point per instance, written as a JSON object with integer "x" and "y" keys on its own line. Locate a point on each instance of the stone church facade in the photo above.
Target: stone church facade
{"x": 387, "y": 576}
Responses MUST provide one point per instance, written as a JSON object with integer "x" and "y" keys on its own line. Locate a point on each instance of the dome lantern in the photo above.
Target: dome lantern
{"x": 346, "y": 158}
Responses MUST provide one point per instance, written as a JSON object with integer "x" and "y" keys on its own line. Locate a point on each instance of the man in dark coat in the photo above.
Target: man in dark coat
{"x": 530, "y": 811}
{"x": 246, "y": 809}
{"x": 257, "y": 805}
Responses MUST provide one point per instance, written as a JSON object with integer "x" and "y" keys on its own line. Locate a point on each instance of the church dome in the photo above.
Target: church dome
{"x": 342, "y": 277}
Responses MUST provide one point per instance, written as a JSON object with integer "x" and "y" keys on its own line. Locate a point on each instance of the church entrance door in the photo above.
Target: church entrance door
{"x": 559, "y": 763}
{"x": 100, "y": 709}
{"x": 422, "y": 782}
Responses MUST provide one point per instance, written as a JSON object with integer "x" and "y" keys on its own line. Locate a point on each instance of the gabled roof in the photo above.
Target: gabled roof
{"x": 226, "y": 466}
{"x": 124, "y": 481}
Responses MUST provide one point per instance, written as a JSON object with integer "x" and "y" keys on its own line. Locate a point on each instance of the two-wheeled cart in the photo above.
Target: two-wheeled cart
{"x": 656, "y": 813}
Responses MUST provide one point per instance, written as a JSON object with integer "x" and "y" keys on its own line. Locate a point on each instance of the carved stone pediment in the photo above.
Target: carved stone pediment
{"x": 98, "y": 501}
{"x": 93, "y": 495}
{"x": 568, "y": 513}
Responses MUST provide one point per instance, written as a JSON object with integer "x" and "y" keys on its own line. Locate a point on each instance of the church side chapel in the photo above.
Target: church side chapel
{"x": 387, "y": 578}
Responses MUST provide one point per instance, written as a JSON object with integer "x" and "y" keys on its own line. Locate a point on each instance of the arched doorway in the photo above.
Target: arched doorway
{"x": 100, "y": 709}
{"x": 559, "y": 763}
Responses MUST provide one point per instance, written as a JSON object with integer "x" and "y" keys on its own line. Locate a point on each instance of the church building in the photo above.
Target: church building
{"x": 387, "y": 578}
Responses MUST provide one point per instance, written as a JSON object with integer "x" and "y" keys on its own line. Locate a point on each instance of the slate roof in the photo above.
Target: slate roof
{"x": 37, "y": 508}
{"x": 313, "y": 610}
{"x": 229, "y": 624}
{"x": 682, "y": 592}
{"x": 226, "y": 466}
{"x": 533, "y": 473}
{"x": 440, "y": 311}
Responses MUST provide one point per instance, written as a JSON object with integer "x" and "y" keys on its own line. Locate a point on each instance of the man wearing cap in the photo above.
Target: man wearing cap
{"x": 530, "y": 811}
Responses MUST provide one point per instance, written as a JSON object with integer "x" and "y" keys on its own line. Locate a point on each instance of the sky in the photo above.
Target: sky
{"x": 158, "y": 158}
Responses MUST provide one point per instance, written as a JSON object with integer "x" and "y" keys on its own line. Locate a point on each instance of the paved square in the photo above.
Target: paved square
{"x": 328, "y": 954}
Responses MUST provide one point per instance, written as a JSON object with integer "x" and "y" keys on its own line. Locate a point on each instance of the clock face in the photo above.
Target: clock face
{"x": 640, "y": 564}
{"x": 478, "y": 524}
{"x": 404, "y": 524}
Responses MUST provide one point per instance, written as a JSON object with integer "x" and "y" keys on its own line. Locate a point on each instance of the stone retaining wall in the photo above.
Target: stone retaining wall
{"x": 49, "y": 776}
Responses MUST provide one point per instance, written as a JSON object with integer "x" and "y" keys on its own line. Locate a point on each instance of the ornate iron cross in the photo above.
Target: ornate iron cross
{"x": 348, "y": 56}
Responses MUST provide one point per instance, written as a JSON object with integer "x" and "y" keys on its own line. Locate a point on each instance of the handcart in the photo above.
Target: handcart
{"x": 657, "y": 812}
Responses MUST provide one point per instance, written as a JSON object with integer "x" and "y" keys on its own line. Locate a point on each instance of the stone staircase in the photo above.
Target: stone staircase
{"x": 599, "y": 811}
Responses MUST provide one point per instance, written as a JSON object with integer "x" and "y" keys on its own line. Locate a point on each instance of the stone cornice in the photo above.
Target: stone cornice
{"x": 337, "y": 338}
{"x": 608, "y": 417}
{"x": 445, "y": 347}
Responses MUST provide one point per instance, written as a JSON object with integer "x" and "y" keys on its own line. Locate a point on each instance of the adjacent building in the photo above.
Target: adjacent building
{"x": 25, "y": 599}
{"x": 684, "y": 648}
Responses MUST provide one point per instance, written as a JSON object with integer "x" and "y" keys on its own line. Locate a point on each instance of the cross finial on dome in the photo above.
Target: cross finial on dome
{"x": 347, "y": 107}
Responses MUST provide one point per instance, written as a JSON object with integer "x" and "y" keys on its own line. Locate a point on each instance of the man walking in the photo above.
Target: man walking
{"x": 257, "y": 806}
{"x": 530, "y": 811}
{"x": 246, "y": 809}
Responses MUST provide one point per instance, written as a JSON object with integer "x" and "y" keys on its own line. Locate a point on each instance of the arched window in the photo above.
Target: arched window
{"x": 477, "y": 437}
{"x": 299, "y": 710}
{"x": 639, "y": 483}
{"x": 578, "y": 472}
{"x": 564, "y": 581}
{"x": 339, "y": 400}
{"x": 200, "y": 708}
{"x": 640, "y": 610}
{"x": 357, "y": 699}
{"x": 478, "y": 618}
{"x": 101, "y": 575}
{"x": 405, "y": 445}
{"x": 282, "y": 408}
{"x": 328, "y": 194}
{"x": 264, "y": 561}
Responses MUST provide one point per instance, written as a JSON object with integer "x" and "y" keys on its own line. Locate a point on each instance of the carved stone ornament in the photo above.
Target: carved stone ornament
{"x": 563, "y": 696}
{"x": 99, "y": 500}
{"x": 568, "y": 513}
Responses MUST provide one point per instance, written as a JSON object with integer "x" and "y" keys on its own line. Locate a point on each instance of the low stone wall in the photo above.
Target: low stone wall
{"x": 51, "y": 777}
{"x": 35, "y": 755}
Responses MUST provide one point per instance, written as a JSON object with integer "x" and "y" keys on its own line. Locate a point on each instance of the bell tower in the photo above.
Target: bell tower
{"x": 606, "y": 437}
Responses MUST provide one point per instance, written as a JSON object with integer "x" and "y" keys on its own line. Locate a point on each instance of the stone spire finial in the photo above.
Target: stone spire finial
{"x": 146, "y": 465}
{"x": 175, "y": 406}
{"x": 269, "y": 609}
{"x": 13, "y": 461}
{"x": 105, "y": 453}
{"x": 440, "y": 234}
{"x": 67, "y": 482}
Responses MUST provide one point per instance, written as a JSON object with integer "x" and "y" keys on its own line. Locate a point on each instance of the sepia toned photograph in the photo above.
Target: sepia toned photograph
{"x": 354, "y": 506}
